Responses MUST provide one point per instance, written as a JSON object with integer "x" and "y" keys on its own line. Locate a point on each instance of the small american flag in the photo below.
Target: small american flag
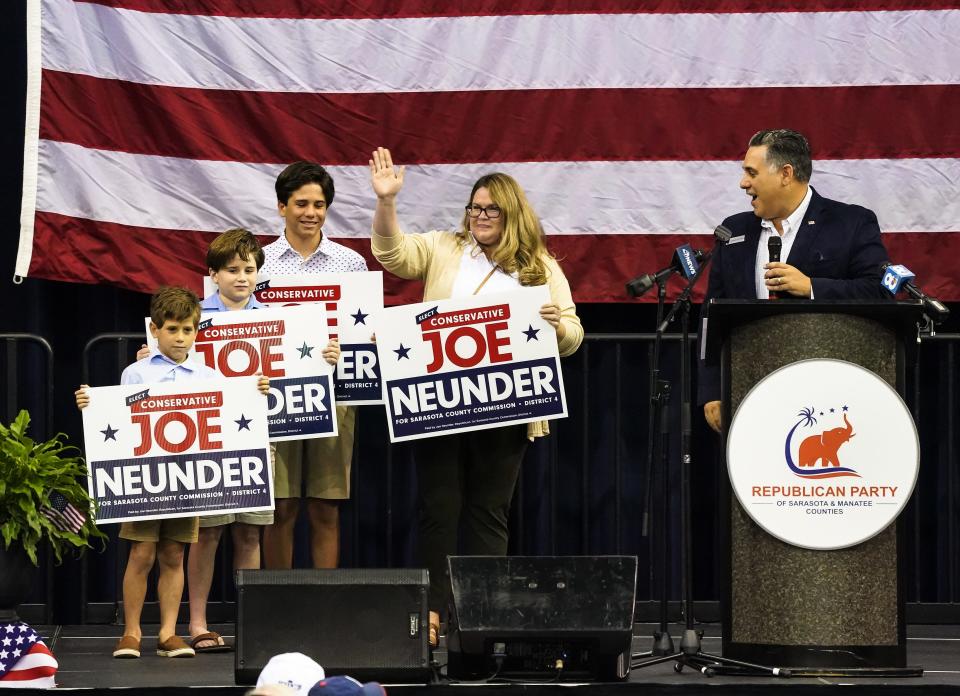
{"x": 25, "y": 662}
{"x": 63, "y": 514}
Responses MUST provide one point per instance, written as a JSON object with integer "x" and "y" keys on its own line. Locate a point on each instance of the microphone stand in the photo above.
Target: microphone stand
{"x": 691, "y": 652}
{"x": 656, "y": 476}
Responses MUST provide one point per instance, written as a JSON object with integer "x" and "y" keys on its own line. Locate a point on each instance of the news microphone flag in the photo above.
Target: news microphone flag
{"x": 687, "y": 260}
{"x": 895, "y": 276}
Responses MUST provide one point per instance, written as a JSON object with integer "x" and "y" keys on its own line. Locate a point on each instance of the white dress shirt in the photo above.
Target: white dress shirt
{"x": 790, "y": 225}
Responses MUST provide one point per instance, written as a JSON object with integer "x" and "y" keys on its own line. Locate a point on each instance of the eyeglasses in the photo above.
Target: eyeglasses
{"x": 492, "y": 211}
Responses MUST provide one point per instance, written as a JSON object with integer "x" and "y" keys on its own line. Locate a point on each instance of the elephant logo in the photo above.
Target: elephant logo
{"x": 818, "y": 454}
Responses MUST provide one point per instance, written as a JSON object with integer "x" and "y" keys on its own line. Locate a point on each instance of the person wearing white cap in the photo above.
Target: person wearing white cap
{"x": 296, "y": 674}
{"x": 293, "y": 670}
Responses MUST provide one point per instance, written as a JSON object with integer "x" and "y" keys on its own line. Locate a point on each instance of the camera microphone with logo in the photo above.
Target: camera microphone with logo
{"x": 686, "y": 260}
{"x": 897, "y": 277}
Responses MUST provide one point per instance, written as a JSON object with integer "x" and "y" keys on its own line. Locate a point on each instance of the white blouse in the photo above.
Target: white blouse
{"x": 474, "y": 267}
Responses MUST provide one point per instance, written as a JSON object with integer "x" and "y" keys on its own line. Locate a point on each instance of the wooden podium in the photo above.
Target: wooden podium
{"x": 796, "y": 607}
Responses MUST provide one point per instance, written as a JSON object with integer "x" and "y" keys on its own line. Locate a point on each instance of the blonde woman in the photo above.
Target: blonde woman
{"x": 466, "y": 480}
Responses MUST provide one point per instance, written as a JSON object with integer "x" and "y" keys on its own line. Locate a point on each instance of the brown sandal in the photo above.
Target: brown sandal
{"x": 209, "y": 637}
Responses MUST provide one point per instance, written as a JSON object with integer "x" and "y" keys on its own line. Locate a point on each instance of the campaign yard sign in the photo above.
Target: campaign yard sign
{"x": 469, "y": 363}
{"x": 350, "y": 300}
{"x": 177, "y": 449}
{"x": 286, "y": 345}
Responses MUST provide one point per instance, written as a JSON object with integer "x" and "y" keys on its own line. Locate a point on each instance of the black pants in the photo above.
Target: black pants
{"x": 466, "y": 482}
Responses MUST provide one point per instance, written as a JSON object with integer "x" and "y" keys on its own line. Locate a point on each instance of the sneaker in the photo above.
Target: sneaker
{"x": 174, "y": 646}
{"x": 127, "y": 647}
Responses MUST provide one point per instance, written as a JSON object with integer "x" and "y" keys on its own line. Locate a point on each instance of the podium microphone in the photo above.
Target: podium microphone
{"x": 686, "y": 260}
{"x": 896, "y": 278}
{"x": 774, "y": 245}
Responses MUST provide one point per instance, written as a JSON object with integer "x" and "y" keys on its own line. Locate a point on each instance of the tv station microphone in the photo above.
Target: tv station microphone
{"x": 686, "y": 260}
{"x": 897, "y": 277}
{"x": 774, "y": 245}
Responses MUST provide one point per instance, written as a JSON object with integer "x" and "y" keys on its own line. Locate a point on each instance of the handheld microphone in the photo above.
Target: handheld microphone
{"x": 897, "y": 277}
{"x": 686, "y": 260}
{"x": 774, "y": 245}
{"x": 722, "y": 234}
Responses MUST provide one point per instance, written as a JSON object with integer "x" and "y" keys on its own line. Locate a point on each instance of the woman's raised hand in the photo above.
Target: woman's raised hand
{"x": 387, "y": 180}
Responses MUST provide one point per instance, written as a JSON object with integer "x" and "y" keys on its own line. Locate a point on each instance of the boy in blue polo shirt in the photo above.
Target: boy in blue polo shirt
{"x": 174, "y": 318}
{"x": 233, "y": 260}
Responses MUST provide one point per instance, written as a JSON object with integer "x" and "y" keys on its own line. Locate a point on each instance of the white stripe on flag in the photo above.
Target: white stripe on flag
{"x": 504, "y": 52}
{"x": 36, "y": 659}
{"x": 30, "y": 140}
{"x": 908, "y": 195}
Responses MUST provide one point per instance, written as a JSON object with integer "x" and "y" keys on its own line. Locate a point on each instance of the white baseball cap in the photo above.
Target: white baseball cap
{"x": 294, "y": 670}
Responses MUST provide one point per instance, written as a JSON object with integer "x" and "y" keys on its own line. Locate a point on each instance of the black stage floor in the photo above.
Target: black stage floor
{"x": 86, "y": 664}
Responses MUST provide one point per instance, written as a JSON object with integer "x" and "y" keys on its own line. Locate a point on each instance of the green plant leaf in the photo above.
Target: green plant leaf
{"x": 31, "y": 470}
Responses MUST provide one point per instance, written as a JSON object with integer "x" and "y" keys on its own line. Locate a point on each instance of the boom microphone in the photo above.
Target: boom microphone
{"x": 686, "y": 260}
{"x": 897, "y": 277}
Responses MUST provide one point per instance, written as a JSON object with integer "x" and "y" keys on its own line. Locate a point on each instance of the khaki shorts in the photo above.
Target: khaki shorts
{"x": 260, "y": 518}
{"x": 327, "y": 460}
{"x": 182, "y": 529}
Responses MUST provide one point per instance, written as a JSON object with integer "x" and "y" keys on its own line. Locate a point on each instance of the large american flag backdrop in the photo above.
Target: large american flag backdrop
{"x": 153, "y": 125}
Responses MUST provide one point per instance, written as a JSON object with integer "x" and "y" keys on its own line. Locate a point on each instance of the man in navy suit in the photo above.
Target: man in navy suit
{"x": 832, "y": 250}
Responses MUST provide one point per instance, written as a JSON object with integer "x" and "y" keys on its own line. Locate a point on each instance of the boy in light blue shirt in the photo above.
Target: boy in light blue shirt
{"x": 233, "y": 260}
{"x": 174, "y": 318}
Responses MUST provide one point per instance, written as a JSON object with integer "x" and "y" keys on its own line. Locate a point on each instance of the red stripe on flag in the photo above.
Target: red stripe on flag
{"x": 376, "y": 9}
{"x": 143, "y": 258}
{"x": 599, "y": 124}
{"x": 597, "y": 266}
{"x": 88, "y": 251}
{"x": 26, "y": 674}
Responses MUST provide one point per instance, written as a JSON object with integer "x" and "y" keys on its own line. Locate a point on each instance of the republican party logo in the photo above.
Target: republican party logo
{"x": 817, "y": 455}
{"x": 822, "y": 454}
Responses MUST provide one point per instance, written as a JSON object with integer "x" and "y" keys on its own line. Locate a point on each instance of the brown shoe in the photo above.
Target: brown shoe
{"x": 127, "y": 647}
{"x": 174, "y": 647}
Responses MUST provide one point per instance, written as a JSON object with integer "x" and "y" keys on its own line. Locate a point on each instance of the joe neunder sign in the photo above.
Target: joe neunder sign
{"x": 469, "y": 364}
{"x": 177, "y": 449}
{"x": 285, "y": 344}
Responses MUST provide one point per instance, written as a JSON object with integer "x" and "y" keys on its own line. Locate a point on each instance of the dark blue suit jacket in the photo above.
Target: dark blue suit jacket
{"x": 838, "y": 246}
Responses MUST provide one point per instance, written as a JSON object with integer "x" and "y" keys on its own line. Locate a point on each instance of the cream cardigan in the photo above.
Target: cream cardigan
{"x": 434, "y": 258}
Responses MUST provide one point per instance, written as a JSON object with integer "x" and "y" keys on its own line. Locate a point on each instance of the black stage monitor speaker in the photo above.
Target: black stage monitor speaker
{"x": 366, "y": 623}
{"x": 550, "y": 617}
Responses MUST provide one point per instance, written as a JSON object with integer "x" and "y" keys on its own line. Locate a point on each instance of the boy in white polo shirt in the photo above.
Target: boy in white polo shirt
{"x": 304, "y": 193}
